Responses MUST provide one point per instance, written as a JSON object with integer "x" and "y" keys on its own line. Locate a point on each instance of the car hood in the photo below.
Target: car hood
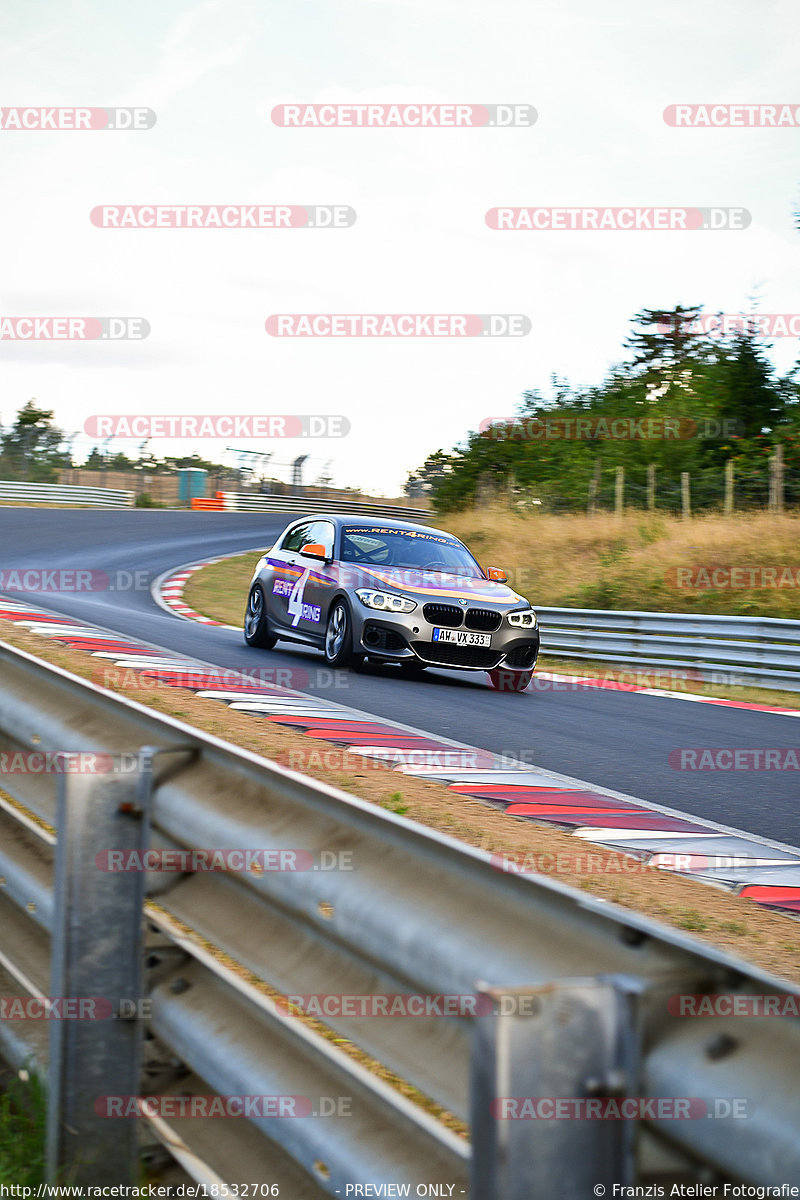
{"x": 436, "y": 585}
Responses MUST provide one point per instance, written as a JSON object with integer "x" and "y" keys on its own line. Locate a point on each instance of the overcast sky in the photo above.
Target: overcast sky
{"x": 599, "y": 77}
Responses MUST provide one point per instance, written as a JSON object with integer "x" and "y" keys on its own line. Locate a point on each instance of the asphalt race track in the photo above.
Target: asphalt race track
{"x": 612, "y": 739}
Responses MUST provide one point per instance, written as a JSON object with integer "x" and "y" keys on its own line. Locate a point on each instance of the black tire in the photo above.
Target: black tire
{"x": 412, "y": 667}
{"x": 505, "y": 680}
{"x": 339, "y": 637}
{"x": 256, "y": 629}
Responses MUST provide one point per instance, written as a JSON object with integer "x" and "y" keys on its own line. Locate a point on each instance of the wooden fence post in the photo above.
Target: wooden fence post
{"x": 686, "y": 495}
{"x": 729, "y": 488}
{"x": 651, "y": 487}
{"x": 594, "y": 484}
{"x": 776, "y": 481}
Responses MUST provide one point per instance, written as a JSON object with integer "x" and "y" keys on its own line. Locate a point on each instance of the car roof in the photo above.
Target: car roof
{"x": 367, "y": 522}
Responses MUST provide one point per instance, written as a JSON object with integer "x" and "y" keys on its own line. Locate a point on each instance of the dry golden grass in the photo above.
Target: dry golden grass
{"x": 630, "y": 562}
{"x": 599, "y": 562}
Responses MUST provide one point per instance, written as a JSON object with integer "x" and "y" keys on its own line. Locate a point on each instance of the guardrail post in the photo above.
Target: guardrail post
{"x": 103, "y": 804}
{"x": 569, "y": 1041}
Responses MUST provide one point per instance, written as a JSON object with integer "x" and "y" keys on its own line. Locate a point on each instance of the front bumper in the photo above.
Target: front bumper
{"x": 396, "y": 637}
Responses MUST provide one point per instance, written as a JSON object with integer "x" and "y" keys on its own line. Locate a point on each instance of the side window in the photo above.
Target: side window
{"x": 321, "y": 531}
{"x": 297, "y": 537}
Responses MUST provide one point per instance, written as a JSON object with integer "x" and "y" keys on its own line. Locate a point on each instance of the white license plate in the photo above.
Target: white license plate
{"x": 462, "y": 637}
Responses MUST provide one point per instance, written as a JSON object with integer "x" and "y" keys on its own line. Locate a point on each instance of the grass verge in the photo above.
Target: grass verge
{"x": 220, "y": 590}
{"x": 22, "y": 1130}
{"x": 632, "y": 562}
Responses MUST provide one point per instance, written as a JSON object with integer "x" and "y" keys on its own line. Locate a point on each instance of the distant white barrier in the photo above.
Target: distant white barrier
{"x": 240, "y": 502}
{"x": 51, "y": 493}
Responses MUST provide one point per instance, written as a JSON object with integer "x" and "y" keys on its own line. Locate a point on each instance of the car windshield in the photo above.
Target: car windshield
{"x": 407, "y": 548}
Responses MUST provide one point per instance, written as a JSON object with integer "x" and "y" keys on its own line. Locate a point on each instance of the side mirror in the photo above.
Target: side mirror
{"x": 496, "y": 574}
{"x": 315, "y": 550}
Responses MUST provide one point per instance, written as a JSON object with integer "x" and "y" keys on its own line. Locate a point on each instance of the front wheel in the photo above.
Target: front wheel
{"x": 256, "y": 630}
{"x": 339, "y": 638}
{"x": 504, "y": 680}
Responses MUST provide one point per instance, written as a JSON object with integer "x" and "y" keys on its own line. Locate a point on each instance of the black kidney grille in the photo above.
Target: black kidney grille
{"x": 483, "y": 618}
{"x": 448, "y": 615}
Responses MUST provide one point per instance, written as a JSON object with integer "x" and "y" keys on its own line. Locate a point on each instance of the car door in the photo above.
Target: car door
{"x": 287, "y": 571}
{"x": 308, "y": 605}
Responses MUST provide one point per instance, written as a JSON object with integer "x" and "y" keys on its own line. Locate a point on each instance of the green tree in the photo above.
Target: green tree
{"x": 674, "y": 393}
{"x": 31, "y": 448}
{"x": 748, "y": 392}
{"x": 664, "y": 341}
{"x": 430, "y": 476}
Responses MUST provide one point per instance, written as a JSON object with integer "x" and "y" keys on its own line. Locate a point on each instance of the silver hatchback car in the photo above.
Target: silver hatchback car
{"x": 393, "y": 592}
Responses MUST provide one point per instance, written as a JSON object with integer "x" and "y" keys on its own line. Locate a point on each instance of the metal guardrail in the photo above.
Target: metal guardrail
{"x": 46, "y": 493}
{"x": 576, "y": 991}
{"x": 763, "y": 651}
{"x": 241, "y": 502}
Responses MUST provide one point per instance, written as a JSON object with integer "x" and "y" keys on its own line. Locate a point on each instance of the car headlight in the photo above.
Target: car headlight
{"x": 523, "y": 620}
{"x": 385, "y": 601}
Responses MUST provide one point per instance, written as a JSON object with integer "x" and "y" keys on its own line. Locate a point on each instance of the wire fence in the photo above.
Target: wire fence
{"x": 751, "y": 488}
